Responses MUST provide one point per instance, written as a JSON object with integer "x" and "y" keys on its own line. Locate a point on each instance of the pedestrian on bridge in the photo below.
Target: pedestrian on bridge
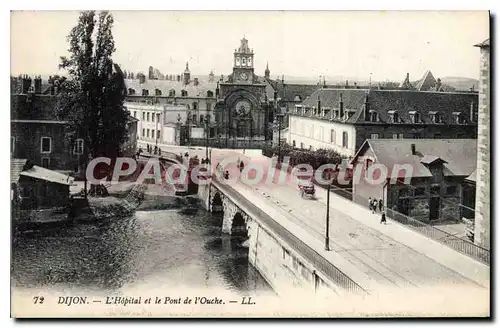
{"x": 370, "y": 204}
{"x": 383, "y": 220}
{"x": 380, "y": 204}
{"x": 226, "y": 175}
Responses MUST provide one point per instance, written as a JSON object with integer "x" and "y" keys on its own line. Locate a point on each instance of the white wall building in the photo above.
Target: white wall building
{"x": 150, "y": 124}
{"x": 312, "y": 133}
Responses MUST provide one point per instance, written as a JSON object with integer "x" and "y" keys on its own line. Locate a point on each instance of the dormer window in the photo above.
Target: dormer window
{"x": 436, "y": 117}
{"x": 184, "y": 93}
{"x": 145, "y": 92}
{"x": 297, "y": 98}
{"x": 131, "y": 91}
{"x": 210, "y": 94}
{"x": 373, "y": 116}
{"x": 157, "y": 92}
{"x": 393, "y": 116}
{"x": 171, "y": 93}
{"x": 459, "y": 118}
{"x": 414, "y": 116}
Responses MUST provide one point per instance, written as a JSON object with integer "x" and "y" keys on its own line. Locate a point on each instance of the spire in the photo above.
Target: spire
{"x": 267, "y": 72}
{"x": 187, "y": 67}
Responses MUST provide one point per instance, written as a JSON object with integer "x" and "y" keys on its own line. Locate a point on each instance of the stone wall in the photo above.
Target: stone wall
{"x": 482, "y": 220}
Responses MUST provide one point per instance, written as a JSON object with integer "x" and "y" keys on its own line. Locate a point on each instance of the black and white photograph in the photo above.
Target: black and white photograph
{"x": 250, "y": 164}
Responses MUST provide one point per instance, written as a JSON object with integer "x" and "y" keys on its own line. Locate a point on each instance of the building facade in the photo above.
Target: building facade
{"x": 483, "y": 179}
{"x": 438, "y": 176}
{"x": 342, "y": 119}
{"x": 242, "y": 110}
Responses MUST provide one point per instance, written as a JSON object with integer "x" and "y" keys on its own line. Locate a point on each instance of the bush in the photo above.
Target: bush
{"x": 315, "y": 158}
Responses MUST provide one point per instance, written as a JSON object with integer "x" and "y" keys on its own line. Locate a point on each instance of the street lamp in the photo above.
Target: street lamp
{"x": 327, "y": 233}
{"x": 179, "y": 127}
{"x": 277, "y": 125}
{"x": 207, "y": 122}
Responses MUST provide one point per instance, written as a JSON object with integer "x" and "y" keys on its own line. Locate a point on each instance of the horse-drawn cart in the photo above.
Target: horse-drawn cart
{"x": 306, "y": 189}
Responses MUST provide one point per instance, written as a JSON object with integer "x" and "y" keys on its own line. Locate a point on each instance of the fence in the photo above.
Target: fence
{"x": 459, "y": 244}
{"x": 318, "y": 261}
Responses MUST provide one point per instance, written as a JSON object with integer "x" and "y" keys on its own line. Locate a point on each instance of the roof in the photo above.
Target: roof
{"x": 289, "y": 92}
{"x": 16, "y": 167}
{"x": 458, "y": 155}
{"x": 33, "y": 107}
{"x": 402, "y": 102}
{"x": 429, "y": 159}
{"x": 41, "y": 173}
{"x": 166, "y": 85}
{"x": 472, "y": 177}
{"x": 484, "y": 44}
{"x": 426, "y": 82}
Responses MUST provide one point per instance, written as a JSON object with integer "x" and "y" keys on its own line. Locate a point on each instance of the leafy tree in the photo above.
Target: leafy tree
{"x": 92, "y": 97}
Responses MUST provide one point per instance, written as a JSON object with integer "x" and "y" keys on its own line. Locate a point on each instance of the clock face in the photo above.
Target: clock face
{"x": 244, "y": 76}
{"x": 238, "y": 61}
{"x": 243, "y": 61}
{"x": 242, "y": 107}
{"x": 249, "y": 61}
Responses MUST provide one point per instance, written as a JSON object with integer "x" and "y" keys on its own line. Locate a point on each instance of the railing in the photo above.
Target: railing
{"x": 459, "y": 244}
{"x": 318, "y": 261}
{"x": 229, "y": 143}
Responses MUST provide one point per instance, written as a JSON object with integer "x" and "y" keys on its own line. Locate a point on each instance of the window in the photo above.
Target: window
{"x": 332, "y": 136}
{"x": 394, "y": 117}
{"x": 12, "y": 144}
{"x": 437, "y": 135}
{"x": 420, "y": 191}
{"x": 147, "y": 133}
{"x": 417, "y": 136}
{"x": 158, "y": 118}
{"x": 145, "y": 92}
{"x": 451, "y": 190}
{"x": 195, "y": 106}
{"x": 209, "y": 107}
{"x": 201, "y": 119}
{"x": 373, "y": 116}
{"x": 209, "y": 118}
{"x": 194, "y": 118}
{"x": 394, "y": 136}
{"x": 147, "y": 117}
{"x": 158, "y": 134}
{"x": 184, "y": 93}
{"x": 345, "y": 140}
{"x": 46, "y": 145}
{"x": 143, "y": 116}
{"x": 152, "y": 134}
{"x": 415, "y": 117}
{"x": 45, "y": 162}
{"x": 143, "y": 132}
{"x": 78, "y": 149}
{"x": 171, "y": 93}
{"x": 210, "y": 94}
{"x": 374, "y": 136}
{"x": 401, "y": 136}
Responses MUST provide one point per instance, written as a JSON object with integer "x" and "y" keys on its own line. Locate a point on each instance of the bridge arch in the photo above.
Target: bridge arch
{"x": 239, "y": 228}
{"x": 217, "y": 206}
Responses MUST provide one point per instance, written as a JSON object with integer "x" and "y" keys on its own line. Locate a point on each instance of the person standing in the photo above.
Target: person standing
{"x": 370, "y": 204}
{"x": 380, "y": 204}
{"x": 383, "y": 220}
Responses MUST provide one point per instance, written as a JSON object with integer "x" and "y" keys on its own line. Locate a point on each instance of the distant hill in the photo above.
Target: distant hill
{"x": 461, "y": 83}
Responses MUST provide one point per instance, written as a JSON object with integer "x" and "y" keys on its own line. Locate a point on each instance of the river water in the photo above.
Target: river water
{"x": 158, "y": 249}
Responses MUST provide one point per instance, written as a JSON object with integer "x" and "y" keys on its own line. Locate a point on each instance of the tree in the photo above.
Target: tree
{"x": 91, "y": 100}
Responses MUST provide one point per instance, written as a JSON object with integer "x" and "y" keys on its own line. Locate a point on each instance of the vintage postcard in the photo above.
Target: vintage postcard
{"x": 263, "y": 164}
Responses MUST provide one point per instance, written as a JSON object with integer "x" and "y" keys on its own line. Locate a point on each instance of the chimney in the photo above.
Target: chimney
{"x": 217, "y": 91}
{"x": 367, "y": 108}
{"x": 324, "y": 82}
{"x": 346, "y": 84}
{"x": 341, "y": 106}
{"x": 38, "y": 85}
{"x": 282, "y": 79}
{"x": 178, "y": 78}
{"x": 196, "y": 82}
{"x": 26, "y": 84}
{"x": 275, "y": 95}
{"x": 438, "y": 84}
{"x": 355, "y": 85}
{"x": 142, "y": 78}
{"x": 413, "y": 150}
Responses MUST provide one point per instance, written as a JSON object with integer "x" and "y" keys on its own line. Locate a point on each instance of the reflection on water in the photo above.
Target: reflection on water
{"x": 157, "y": 248}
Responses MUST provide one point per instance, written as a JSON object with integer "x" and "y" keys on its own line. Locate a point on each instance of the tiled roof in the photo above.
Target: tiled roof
{"x": 459, "y": 155}
{"x": 426, "y": 83}
{"x": 16, "y": 167}
{"x": 165, "y": 85}
{"x": 33, "y": 107}
{"x": 472, "y": 177}
{"x": 289, "y": 92}
{"x": 402, "y": 102}
{"x": 41, "y": 173}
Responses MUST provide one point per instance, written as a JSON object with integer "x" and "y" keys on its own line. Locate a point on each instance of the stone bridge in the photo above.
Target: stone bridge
{"x": 285, "y": 261}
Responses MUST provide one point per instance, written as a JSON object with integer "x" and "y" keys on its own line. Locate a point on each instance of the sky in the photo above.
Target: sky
{"x": 383, "y": 45}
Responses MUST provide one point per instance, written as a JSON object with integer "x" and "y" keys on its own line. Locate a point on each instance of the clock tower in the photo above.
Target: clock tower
{"x": 241, "y": 109}
{"x": 243, "y": 63}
